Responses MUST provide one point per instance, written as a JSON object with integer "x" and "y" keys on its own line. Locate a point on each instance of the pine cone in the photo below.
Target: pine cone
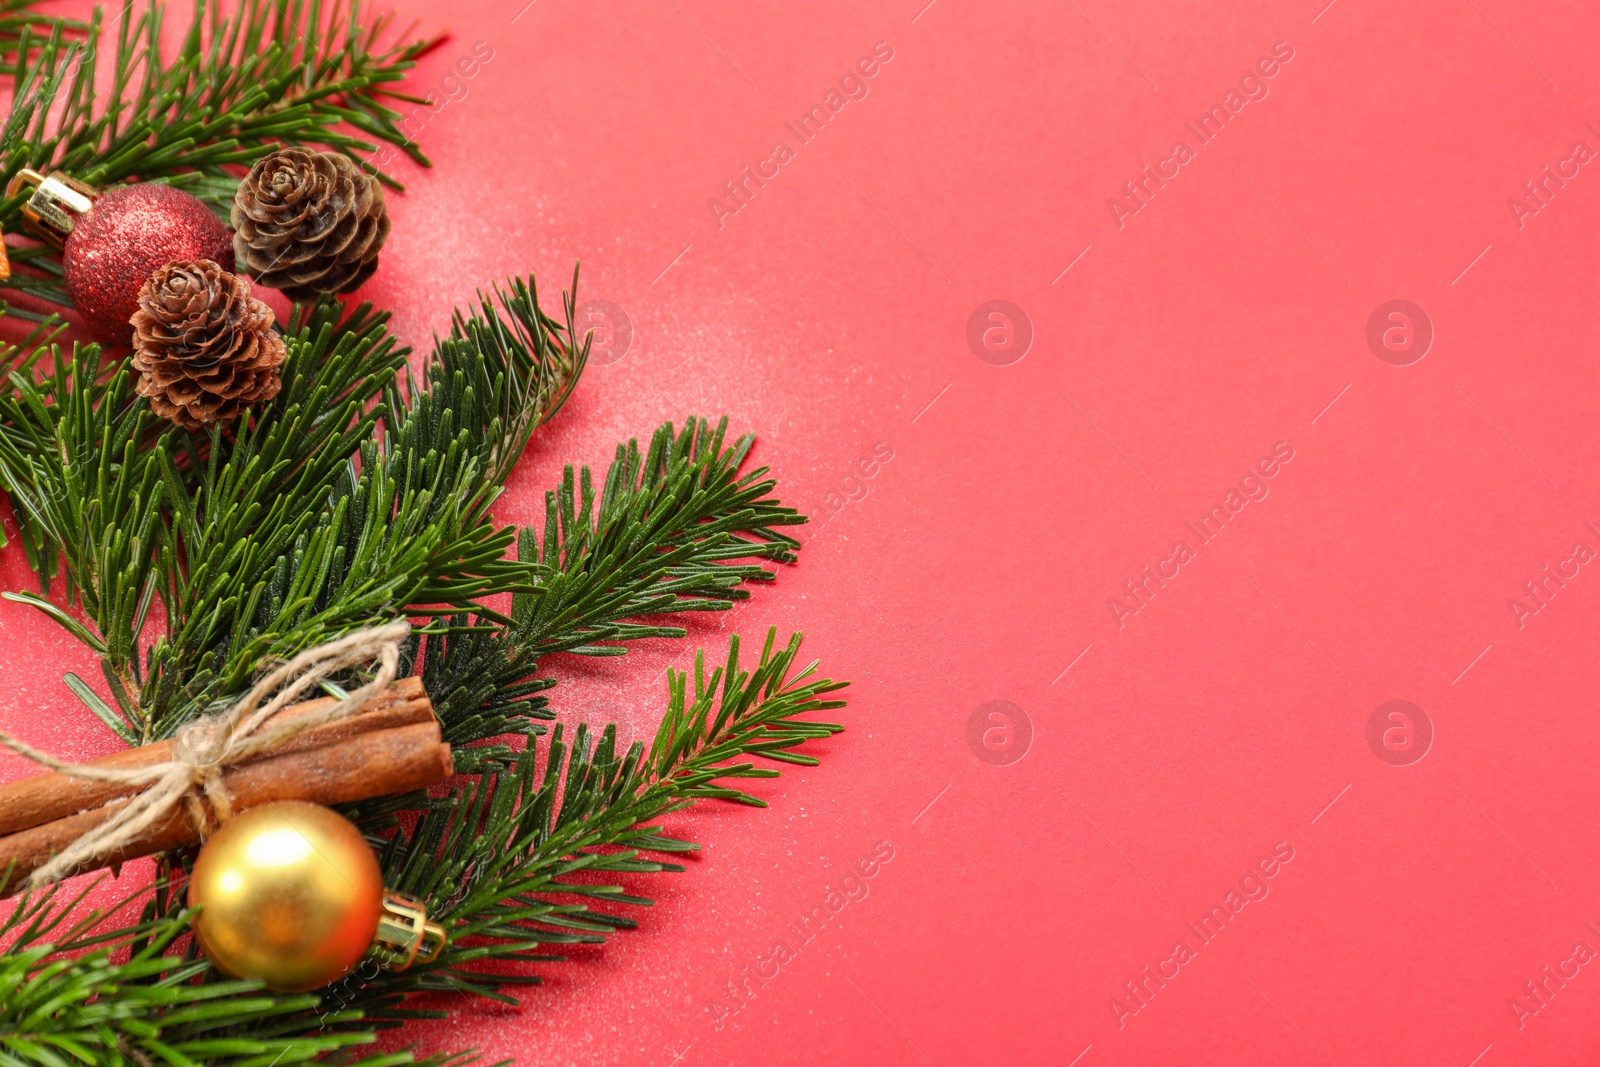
{"x": 203, "y": 346}
{"x": 308, "y": 222}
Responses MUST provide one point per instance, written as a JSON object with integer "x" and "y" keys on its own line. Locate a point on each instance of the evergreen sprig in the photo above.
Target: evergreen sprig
{"x": 678, "y": 527}
{"x": 78, "y": 991}
{"x": 523, "y": 859}
{"x": 518, "y": 862}
{"x": 345, "y": 500}
{"x": 363, "y": 492}
{"x": 296, "y": 71}
{"x": 664, "y": 536}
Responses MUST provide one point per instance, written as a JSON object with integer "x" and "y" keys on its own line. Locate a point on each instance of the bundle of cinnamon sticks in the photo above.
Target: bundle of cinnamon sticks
{"x": 394, "y": 745}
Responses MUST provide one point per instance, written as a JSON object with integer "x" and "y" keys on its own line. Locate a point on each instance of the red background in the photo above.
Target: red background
{"x": 1230, "y": 714}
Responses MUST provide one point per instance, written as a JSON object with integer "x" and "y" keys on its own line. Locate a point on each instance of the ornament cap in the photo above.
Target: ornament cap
{"x": 405, "y": 935}
{"x": 56, "y": 204}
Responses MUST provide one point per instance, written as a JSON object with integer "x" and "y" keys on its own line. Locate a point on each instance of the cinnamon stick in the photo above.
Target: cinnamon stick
{"x": 356, "y": 768}
{"x": 47, "y": 797}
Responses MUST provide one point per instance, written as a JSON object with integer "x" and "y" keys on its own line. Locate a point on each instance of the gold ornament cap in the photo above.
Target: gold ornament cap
{"x": 405, "y": 936}
{"x": 57, "y": 202}
{"x": 290, "y": 893}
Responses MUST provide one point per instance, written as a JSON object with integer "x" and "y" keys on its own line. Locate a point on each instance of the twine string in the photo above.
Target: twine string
{"x": 205, "y": 748}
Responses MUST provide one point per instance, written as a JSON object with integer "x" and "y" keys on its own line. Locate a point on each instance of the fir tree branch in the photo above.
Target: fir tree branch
{"x": 666, "y": 535}
{"x": 521, "y": 862}
{"x": 527, "y": 362}
{"x": 326, "y": 512}
{"x": 79, "y": 993}
{"x": 497, "y": 861}
{"x": 672, "y": 533}
{"x": 293, "y": 71}
{"x": 353, "y": 497}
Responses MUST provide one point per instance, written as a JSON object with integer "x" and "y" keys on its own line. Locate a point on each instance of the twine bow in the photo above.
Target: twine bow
{"x": 206, "y": 747}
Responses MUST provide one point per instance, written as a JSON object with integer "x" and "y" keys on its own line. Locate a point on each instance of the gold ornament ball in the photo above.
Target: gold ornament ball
{"x": 289, "y": 893}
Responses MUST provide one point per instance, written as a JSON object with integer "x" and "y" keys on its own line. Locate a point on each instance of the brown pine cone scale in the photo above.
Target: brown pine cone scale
{"x": 205, "y": 349}
{"x": 308, "y": 223}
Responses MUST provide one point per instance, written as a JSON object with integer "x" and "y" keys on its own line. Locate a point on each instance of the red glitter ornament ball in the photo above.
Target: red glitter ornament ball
{"x": 129, "y": 233}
